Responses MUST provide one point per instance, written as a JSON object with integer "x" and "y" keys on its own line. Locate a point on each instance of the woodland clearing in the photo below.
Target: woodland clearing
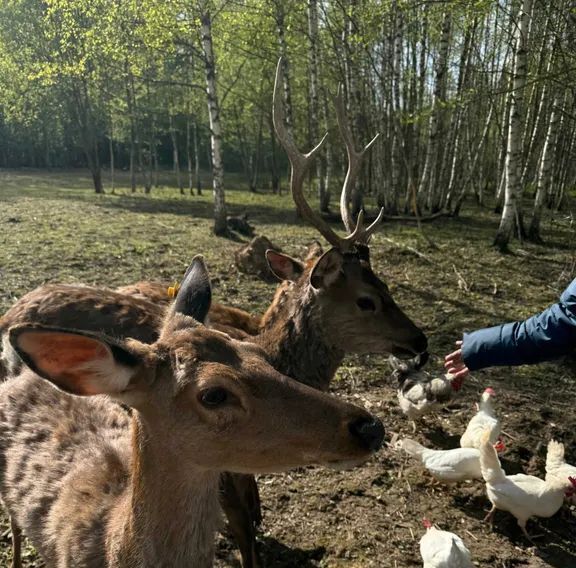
{"x": 53, "y": 228}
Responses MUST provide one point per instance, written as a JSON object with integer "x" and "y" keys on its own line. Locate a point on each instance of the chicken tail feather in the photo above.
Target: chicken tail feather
{"x": 555, "y": 456}
{"x": 412, "y": 447}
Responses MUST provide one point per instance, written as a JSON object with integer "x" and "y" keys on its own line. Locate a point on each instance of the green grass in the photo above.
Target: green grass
{"x": 53, "y": 228}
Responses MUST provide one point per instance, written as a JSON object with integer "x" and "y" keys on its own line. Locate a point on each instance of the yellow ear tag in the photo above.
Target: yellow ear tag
{"x": 173, "y": 290}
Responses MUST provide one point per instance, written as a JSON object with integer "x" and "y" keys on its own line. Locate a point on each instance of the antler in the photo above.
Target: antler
{"x": 300, "y": 164}
{"x": 362, "y": 235}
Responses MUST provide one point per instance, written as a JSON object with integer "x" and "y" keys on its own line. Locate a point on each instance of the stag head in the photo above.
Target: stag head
{"x": 354, "y": 306}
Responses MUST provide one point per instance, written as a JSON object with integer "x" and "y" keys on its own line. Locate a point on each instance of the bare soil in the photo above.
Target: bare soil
{"x": 52, "y": 228}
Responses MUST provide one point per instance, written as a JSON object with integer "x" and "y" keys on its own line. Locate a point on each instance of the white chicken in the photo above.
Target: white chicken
{"x": 418, "y": 391}
{"x": 523, "y": 496}
{"x": 447, "y": 466}
{"x": 556, "y": 467}
{"x": 484, "y": 419}
{"x": 443, "y": 549}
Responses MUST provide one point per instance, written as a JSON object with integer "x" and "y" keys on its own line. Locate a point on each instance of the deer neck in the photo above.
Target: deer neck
{"x": 171, "y": 510}
{"x": 295, "y": 342}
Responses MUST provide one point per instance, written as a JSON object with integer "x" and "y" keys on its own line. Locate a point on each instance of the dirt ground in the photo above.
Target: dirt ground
{"x": 53, "y": 229}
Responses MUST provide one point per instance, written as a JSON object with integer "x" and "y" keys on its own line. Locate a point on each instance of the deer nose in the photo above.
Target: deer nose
{"x": 369, "y": 431}
{"x": 420, "y": 344}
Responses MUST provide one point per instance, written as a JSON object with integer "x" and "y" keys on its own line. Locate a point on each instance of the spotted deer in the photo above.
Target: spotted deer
{"x": 93, "y": 485}
{"x": 324, "y": 308}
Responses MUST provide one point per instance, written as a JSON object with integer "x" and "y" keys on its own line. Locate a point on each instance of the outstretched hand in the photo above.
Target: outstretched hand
{"x": 454, "y": 363}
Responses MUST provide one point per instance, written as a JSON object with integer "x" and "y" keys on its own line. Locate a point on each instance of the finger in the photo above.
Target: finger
{"x": 453, "y": 355}
{"x": 459, "y": 343}
{"x": 461, "y": 374}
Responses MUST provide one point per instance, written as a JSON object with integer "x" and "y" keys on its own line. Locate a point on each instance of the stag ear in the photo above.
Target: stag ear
{"x": 79, "y": 363}
{"x": 283, "y": 266}
{"x": 195, "y": 294}
{"x": 327, "y": 269}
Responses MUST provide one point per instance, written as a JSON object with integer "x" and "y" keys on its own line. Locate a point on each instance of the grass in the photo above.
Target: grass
{"x": 53, "y": 228}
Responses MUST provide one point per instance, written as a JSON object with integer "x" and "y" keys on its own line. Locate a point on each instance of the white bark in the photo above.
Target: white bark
{"x": 220, "y": 227}
{"x": 427, "y": 185}
{"x": 544, "y": 169}
{"x": 313, "y": 56}
{"x": 510, "y": 211}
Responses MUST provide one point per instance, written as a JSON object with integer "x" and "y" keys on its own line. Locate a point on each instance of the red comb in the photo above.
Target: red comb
{"x": 427, "y": 524}
{"x": 500, "y": 446}
{"x": 572, "y": 480}
{"x": 490, "y": 391}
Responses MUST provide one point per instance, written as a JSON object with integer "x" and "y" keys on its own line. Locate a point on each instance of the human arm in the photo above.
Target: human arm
{"x": 547, "y": 335}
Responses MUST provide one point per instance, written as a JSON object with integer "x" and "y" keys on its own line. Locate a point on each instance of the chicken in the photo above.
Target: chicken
{"x": 447, "y": 466}
{"x": 443, "y": 549}
{"x": 484, "y": 419}
{"x": 556, "y": 467}
{"x": 418, "y": 391}
{"x": 523, "y": 496}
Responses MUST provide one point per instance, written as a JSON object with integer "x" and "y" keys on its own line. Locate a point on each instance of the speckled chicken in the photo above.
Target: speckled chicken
{"x": 443, "y": 549}
{"x": 419, "y": 392}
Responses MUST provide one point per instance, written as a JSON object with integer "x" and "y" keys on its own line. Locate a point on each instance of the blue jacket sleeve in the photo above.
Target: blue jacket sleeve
{"x": 542, "y": 337}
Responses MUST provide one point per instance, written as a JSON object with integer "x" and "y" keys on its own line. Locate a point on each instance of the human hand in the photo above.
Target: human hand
{"x": 455, "y": 365}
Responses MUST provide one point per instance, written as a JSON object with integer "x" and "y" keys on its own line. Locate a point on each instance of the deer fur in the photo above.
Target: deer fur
{"x": 314, "y": 319}
{"x": 91, "y": 485}
{"x": 229, "y": 318}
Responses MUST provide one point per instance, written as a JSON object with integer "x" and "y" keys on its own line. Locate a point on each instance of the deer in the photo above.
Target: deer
{"x": 324, "y": 308}
{"x": 91, "y": 484}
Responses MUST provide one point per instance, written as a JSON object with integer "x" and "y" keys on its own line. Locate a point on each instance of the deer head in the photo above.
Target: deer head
{"x": 354, "y": 306}
{"x": 212, "y": 401}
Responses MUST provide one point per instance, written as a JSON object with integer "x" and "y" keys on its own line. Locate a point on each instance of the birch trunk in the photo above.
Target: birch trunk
{"x": 111, "y": 151}
{"x": 281, "y": 31}
{"x": 189, "y": 157}
{"x": 130, "y": 106}
{"x": 220, "y": 226}
{"x": 175, "y": 153}
{"x": 313, "y": 56}
{"x": 196, "y": 158}
{"x": 427, "y": 188}
{"x": 544, "y": 171}
{"x": 511, "y": 210}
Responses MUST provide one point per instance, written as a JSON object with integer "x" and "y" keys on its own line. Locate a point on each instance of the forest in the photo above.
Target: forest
{"x": 469, "y": 98}
{"x": 232, "y": 201}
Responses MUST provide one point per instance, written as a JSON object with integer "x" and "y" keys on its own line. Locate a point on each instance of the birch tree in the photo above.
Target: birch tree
{"x": 511, "y": 210}
{"x": 427, "y": 189}
{"x": 220, "y": 226}
{"x": 545, "y": 169}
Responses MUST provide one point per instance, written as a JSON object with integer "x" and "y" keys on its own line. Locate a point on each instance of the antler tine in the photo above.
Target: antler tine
{"x": 354, "y": 164}
{"x": 300, "y": 164}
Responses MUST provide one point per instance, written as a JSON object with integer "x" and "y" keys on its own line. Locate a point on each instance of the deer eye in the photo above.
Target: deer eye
{"x": 211, "y": 398}
{"x": 366, "y": 304}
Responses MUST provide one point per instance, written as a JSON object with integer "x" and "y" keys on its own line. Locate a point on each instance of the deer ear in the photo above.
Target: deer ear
{"x": 77, "y": 363}
{"x": 327, "y": 269}
{"x": 283, "y": 266}
{"x": 195, "y": 294}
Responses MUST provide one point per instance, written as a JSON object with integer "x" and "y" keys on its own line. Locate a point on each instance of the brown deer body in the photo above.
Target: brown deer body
{"x": 324, "y": 309}
{"x": 94, "y": 486}
{"x": 228, "y": 316}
